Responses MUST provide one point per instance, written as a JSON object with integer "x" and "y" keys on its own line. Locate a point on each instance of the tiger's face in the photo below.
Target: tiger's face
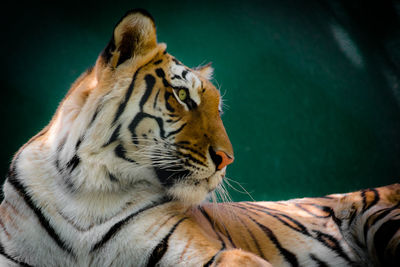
{"x": 156, "y": 119}
{"x": 181, "y": 128}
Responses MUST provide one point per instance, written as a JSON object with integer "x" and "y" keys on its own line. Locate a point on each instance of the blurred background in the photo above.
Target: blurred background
{"x": 311, "y": 87}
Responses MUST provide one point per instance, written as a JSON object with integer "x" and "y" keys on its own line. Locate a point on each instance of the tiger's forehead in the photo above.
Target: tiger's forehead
{"x": 182, "y": 77}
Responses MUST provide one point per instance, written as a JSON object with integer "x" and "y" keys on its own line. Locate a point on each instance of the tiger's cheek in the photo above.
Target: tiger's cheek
{"x": 147, "y": 128}
{"x": 195, "y": 133}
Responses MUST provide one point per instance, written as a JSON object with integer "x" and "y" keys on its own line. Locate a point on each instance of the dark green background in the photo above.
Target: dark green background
{"x": 312, "y": 86}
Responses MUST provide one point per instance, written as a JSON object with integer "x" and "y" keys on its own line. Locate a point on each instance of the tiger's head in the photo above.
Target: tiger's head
{"x": 140, "y": 115}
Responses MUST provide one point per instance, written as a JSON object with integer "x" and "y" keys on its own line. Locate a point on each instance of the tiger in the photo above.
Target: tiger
{"x": 122, "y": 174}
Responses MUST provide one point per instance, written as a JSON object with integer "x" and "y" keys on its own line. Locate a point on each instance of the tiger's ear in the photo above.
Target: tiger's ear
{"x": 134, "y": 36}
{"x": 206, "y": 71}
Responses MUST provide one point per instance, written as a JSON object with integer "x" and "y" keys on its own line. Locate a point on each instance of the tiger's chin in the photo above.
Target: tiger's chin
{"x": 192, "y": 191}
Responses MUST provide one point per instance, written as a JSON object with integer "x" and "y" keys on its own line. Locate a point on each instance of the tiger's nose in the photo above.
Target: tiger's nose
{"x": 220, "y": 158}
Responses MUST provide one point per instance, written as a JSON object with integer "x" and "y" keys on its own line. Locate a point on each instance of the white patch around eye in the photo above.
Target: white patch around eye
{"x": 189, "y": 81}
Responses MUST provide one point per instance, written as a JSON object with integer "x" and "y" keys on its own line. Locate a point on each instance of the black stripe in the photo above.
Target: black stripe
{"x": 78, "y": 144}
{"x": 382, "y": 238}
{"x": 128, "y": 94}
{"x": 73, "y": 163}
{"x": 166, "y": 83}
{"x": 353, "y": 215}
{"x": 326, "y": 209}
{"x": 318, "y": 261}
{"x": 114, "y": 136}
{"x": 66, "y": 178}
{"x": 160, "y": 73}
{"x": 60, "y": 147}
{"x": 289, "y": 256}
{"x": 366, "y": 205}
{"x": 120, "y": 152}
{"x": 155, "y": 99}
{"x": 2, "y": 252}
{"x": 176, "y": 131}
{"x": 150, "y": 81}
{"x": 179, "y": 145}
{"x": 161, "y": 248}
{"x": 384, "y": 213}
{"x": 167, "y": 105}
{"x": 260, "y": 253}
{"x": 12, "y": 179}
{"x": 211, "y": 261}
{"x": 119, "y": 225}
{"x": 112, "y": 177}
{"x": 173, "y": 121}
{"x": 332, "y": 243}
{"x": 96, "y": 112}
{"x": 279, "y": 216}
{"x": 212, "y": 223}
{"x": 183, "y": 143}
{"x": 176, "y": 77}
{"x": 330, "y": 212}
{"x": 190, "y": 103}
{"x": 75, "y": 160}
{"x": 261, "y": 206}
{"x": 372, "y": 221}
{"x": 169, "y": 175}
{"x": 246, "y": 209}
{"x": 184, "y": 73}
{"x": 190, "y": 157}
{"x": 301, "y": 206}
{"x": 229, "y": 237}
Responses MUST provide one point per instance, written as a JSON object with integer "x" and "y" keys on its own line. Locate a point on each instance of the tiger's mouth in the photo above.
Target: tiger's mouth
{"x": 170, "y": 175}
{"x": 185, "y": 186}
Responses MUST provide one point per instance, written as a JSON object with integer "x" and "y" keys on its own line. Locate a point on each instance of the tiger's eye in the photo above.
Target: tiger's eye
{"x": 182, "y": 94}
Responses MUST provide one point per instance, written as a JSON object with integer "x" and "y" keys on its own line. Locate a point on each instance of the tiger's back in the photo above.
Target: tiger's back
{"x": 119, "y": 175}
{"x": 354, "y": 229}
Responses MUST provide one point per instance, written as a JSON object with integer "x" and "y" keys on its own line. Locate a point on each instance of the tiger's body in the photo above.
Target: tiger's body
{"x": 118, "y": 177}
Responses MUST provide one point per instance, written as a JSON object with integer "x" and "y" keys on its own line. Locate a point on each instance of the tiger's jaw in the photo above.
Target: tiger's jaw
{"x": 186, "y": 188}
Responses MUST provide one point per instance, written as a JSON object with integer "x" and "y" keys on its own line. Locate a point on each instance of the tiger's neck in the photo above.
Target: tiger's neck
{"x": 83, "y": 197}
{"x": 72, "y": 175}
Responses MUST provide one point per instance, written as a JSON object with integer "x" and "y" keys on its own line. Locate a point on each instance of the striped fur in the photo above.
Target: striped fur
{"x": 119, "y": 175}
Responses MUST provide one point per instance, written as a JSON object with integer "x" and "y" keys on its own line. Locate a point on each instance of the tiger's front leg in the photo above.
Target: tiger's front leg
{"x": 238, "y": 257}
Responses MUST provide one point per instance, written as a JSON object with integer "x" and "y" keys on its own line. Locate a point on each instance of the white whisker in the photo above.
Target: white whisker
{"x": 228, "y": 182}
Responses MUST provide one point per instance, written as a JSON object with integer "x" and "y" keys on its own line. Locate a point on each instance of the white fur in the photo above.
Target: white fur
{"x": 82, "y": 216}
{"x": 191, "y": 81}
